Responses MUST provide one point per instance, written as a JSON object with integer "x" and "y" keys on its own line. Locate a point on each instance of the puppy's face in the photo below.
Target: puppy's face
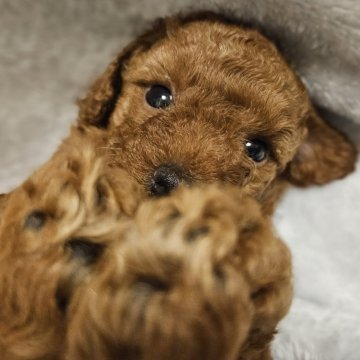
{"x": 204, "y": 101}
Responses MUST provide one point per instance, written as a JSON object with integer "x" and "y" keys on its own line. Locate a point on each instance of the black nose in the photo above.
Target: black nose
{"x": 165, "y": 178}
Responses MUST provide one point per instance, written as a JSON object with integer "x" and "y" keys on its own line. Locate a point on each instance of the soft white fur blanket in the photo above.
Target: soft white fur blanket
{"x": 49, "y": 52}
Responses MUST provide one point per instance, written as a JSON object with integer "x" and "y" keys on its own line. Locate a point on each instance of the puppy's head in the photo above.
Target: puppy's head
{"x": 202, "y": 98}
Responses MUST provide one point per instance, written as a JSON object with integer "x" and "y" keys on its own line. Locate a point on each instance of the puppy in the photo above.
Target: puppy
{"x": 197, "y": 99}
{"x": 84, "y": 275}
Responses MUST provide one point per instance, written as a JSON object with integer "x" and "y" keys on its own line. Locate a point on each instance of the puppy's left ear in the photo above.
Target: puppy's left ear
{"x": 325, "y": 155}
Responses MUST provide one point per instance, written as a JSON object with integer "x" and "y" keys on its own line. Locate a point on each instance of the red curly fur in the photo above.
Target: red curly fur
{"x": 200, "y": 271}
{"x": 92, "y": 268}
{"x": 229, "y": 84}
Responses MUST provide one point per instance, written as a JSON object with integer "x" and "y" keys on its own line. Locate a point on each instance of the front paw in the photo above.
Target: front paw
{"x": 169, "y": 285}
{"x": 198, "y": 274}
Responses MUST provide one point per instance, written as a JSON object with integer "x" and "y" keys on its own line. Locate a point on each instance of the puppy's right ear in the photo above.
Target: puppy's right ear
{"x": 99, "y": 102}
{"x": 3, "y": 201}
{"x": 97, "y": 106}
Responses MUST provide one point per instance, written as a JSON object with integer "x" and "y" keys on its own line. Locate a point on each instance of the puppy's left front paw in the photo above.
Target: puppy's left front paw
{"x": 170, "y": 286}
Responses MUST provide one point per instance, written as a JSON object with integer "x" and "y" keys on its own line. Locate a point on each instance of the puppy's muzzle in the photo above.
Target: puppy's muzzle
{"x": 165, "y": 178}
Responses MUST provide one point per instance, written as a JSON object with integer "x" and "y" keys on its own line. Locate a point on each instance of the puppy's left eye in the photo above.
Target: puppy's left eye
{"x": 159, "y": 96}
{"x": 256, "y": 149}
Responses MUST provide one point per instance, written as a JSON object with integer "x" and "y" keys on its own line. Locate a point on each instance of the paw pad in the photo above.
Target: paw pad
{"x": 150, "y": 284}
{"x": 219, "y": 275}
{"x": 195, "y": 233}
{"x": 35, "y": 220}
{"x": 101, "y": 194}
{"x": 174, "y": 215}
{"x": 85, "y": 249}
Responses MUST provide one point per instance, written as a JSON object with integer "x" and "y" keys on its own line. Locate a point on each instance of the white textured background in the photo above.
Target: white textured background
{"x": 50, "y": 51}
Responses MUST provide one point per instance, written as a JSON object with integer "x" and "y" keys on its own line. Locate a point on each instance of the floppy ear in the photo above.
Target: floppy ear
{"x": 325, "y": 155}
{"x": 3, "y": 201}
{"x": 100, "y": 100}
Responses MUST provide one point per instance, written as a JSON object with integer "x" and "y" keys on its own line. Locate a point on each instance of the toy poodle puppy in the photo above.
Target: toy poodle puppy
{"x": 199, "y": 274}
{"x": 98, "y": 264}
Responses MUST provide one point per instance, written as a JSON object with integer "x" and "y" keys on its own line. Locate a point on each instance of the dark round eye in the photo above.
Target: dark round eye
{"x": 159, "y": 96}
{"x": 256, "y": 149}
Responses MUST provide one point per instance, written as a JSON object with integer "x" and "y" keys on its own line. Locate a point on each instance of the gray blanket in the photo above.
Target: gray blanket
{"x": 50, "y": 50}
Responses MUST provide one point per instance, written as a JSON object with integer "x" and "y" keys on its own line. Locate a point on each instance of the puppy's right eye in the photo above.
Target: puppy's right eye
{"x": 159, "y": 97}
{"x": 256, "y": 149}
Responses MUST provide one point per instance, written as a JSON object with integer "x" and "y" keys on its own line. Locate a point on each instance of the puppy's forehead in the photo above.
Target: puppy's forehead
{"x": 239, "y": 64}
{"x": 210, "y": 46}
